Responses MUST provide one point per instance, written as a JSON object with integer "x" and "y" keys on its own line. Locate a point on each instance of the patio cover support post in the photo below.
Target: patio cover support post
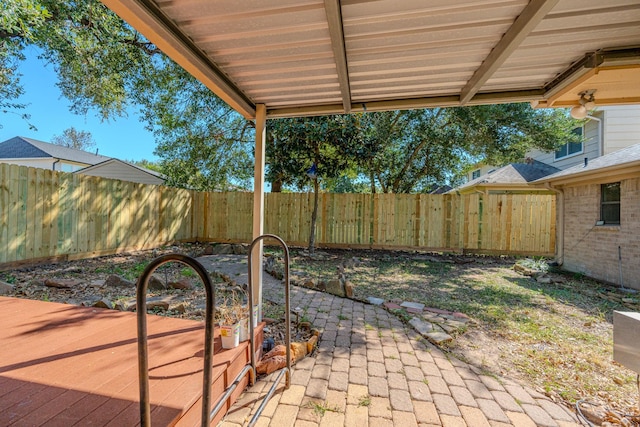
{"x": 258, "y": 203}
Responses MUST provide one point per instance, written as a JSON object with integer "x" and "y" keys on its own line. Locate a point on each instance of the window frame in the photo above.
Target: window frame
{"x": 473, "y": 173}
{"x": 566, "y": 147}
{"x": 606, "y": 203}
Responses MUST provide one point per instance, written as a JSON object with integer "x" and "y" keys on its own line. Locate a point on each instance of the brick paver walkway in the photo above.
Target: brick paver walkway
{"x": 371, "y": 370}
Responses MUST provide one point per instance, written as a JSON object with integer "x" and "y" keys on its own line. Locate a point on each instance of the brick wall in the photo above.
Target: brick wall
{"x": 593, "y": 250}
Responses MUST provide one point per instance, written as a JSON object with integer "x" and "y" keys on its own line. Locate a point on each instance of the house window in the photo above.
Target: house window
{"x": 610, "y": 203}
{"x": 475, "y": 174}
{"x": 571, "y": 148}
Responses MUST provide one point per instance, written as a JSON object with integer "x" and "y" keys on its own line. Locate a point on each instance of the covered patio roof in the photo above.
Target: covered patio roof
{"x": 310, "y": 57}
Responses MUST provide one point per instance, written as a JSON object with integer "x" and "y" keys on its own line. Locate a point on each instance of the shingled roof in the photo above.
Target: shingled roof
{"x": 609, "y": 163}
{"x": 513, "y": 174}
{"x": 26, "y": 148}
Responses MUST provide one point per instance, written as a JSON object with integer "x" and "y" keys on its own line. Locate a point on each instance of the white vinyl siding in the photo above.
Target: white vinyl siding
{"x": 32, "y": 163}
{"x": 589, "y": 149}
{"x": 46, "y": 163}
{"x": 484, "y": 169}
{"x": 621, "y": 127}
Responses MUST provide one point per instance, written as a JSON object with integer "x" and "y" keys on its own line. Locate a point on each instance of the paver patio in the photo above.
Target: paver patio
{"x": 370, "y": 369}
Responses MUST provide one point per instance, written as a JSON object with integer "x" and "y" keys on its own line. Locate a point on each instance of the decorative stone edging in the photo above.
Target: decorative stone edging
{"x": 436, "y": 325}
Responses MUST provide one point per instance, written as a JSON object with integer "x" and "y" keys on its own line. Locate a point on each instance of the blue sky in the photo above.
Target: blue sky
{"x": 124, "y": 138}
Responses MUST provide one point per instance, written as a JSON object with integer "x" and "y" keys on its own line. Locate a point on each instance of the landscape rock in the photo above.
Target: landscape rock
{"x": 221, "y": 249}
{"x": 182, "y": 284}
{"x": 6, "y": 288}
{"x": 158, "y": 305}
{"x": 180, "y": 308}
{"x": 391, "y": 306}
{"x": 544, "y": 280}
{"x": 335, "y": 287}
{"x": 375, "y": 301}
{"x": 439, "y": 338}
{"x": 437, "y": 310}
{"x": 421, "y": 326}
{"x": 125, "y": 305}
{"x": 156, "y": 284}
{"x": 62, "y": 283}
{"x": 117, "y": 281}
{"x": 103, "y": 303}
{"x": 348, "y": 289}
{"x": 525, "y": 271}
{"x": 309, "y": 284}
{"x": 240, "y": 249}
{"x": 450, "y": 329}
{"x": 413, "y": 305}
{"x": 92, "y": 299}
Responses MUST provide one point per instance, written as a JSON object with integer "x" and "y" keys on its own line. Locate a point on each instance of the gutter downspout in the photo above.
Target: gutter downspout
{"x": 54, "y": 164}
{"x": 560, "y": 225}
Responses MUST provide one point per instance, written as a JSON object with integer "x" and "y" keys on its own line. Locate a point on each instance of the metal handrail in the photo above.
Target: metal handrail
{"x": 225, "y": 396}
{"x": 143, "y": 353}
{"x": 287, "y": 319}
{"x": 143, "y": 356}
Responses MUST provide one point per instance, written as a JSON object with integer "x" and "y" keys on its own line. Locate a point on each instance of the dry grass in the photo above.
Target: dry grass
{"x": 557, "y": 337}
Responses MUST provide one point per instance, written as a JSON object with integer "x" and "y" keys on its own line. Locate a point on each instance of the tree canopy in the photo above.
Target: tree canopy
{"x": 72, "y": 138}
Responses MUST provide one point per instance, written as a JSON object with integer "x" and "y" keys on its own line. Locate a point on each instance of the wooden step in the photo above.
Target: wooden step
{"x": 63, "y": 364}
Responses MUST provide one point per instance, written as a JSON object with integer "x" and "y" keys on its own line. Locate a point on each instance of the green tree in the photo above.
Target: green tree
{"x": 104, "y": 64}
{"x": 147, "y": 164}
{"x": 418, "y": 150}
{"x": 202, "y": 143}
{"x": 97, "y": 56}
{"x": 303, "y": 151}
{"x": 72, "y": 138}
{"x": 17, "y": 19}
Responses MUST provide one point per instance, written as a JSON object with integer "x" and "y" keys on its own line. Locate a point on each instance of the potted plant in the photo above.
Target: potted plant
{"x": 235, "y": 311}
{"x": 229, "y": 319}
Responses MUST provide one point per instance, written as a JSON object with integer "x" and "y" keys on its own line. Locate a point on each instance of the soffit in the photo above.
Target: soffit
{"x": 307, "y": 57}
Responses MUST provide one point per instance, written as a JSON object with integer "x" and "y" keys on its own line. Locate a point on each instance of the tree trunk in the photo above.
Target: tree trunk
{"x": 314, "y": 217}
{"x": 276, "y": 186}
{"x": 372, "y": 178}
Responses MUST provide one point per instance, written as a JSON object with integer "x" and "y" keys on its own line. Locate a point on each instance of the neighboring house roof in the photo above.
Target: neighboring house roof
{"x": 513, "y": 174}
{"x": 125, "y": 170}
{"x": 112, "y": 161}
{"x": 26, "y": 148}
{"x": 441, "y": 190}
{"x": 609, "y": 165}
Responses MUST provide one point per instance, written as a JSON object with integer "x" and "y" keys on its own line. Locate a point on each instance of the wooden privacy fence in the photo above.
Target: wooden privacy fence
{"x": 503, "y": 223}
{"x": 48, "y": 215}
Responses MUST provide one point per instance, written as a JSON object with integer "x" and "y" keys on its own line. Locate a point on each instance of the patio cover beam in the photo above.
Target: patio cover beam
{"x": 526, "y": 22}
{"x": 146, "y": 17}
{"x": 409, "y": 104}
{"x": 334, "y": 19}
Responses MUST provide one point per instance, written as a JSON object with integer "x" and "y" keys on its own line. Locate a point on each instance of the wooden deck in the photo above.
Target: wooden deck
{"x": 63, "y": 365}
